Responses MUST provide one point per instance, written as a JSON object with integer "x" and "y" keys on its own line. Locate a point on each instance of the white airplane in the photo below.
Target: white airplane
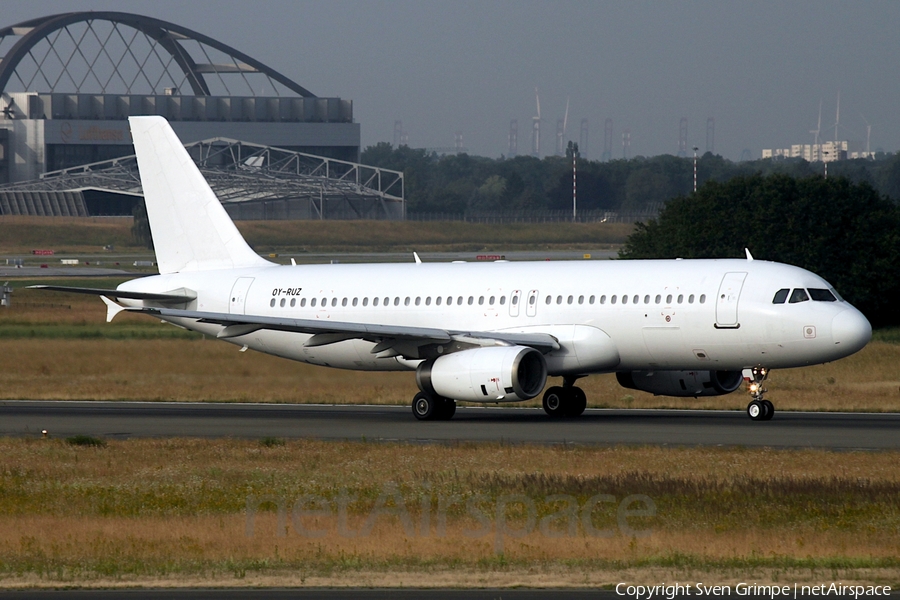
{"x": 481, "y": 332}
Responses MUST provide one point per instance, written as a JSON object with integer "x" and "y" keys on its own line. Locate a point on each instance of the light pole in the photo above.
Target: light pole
{"x": 825, "y": 160}
{"x": 574, "y": 188}
{"x": 573, "y": 150}
{"x": 695, "y": 169}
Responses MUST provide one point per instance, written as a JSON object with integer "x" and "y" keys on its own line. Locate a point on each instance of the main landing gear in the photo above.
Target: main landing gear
{"x": 430, "y": 407}
{"x": 566, "y": 400}
{"x": 759, "y": 408}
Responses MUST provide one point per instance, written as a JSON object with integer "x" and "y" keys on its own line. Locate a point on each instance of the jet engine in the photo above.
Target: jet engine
{"x": 494, "y": 374}
{"x": 681, "y": 383}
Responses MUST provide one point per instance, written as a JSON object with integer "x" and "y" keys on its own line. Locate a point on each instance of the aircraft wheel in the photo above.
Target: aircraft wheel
{"x": 770, "y": 410}
{"x": 577, "y": 402}
{"x": 448, "y": 409}
{"x": 756, "y": 410}
{"x": 556, "y": 401}
{"x": 425, "y": 407}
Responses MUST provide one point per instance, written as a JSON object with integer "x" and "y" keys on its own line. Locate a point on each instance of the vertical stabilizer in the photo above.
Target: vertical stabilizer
{"x": 191, "y": 230}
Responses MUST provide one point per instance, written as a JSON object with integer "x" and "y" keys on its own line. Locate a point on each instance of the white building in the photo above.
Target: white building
{"x": 823, "y": 152}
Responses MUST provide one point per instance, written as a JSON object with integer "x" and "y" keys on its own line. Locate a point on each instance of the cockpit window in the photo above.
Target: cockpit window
{"x": 820, "y": 295}
{"x": 798, "y": 295}
{"x": 780, "y": 296}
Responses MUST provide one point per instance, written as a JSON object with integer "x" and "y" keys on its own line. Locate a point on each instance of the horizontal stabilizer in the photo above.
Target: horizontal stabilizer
{"x": 172, "y": 298}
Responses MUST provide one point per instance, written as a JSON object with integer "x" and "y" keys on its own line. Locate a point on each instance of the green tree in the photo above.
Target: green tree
{"x": 846, "y": 232}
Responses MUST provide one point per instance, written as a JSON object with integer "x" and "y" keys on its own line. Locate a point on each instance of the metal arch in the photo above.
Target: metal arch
{"x": 159, "y": 30}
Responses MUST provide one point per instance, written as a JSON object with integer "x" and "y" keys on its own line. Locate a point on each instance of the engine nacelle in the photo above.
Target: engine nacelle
{"x": 681, "y": 383}
{"x": 494, "y": 374}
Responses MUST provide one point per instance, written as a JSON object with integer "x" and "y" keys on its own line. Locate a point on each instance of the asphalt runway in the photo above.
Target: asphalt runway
{"x": 835, "y": 431}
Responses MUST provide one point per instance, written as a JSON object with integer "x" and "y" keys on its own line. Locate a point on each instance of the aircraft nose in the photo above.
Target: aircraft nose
{"x": 851, "y": 330}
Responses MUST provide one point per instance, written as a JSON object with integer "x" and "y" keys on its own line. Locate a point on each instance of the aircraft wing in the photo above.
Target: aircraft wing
{"x": 390, "y": 340}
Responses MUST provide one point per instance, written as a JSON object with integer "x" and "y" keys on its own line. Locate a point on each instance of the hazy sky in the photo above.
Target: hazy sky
{"x": 759, "y": 69}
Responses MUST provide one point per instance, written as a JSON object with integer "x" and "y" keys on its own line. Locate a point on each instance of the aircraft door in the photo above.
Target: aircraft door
{"x": 514, "y": 303}
{"x": 531, "y": 307}
{"x": 727, "y": 300}
{"x": 239, "y": 295}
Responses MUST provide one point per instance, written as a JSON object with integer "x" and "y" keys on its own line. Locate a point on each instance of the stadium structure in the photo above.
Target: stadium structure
{"x": 270, "y": 148}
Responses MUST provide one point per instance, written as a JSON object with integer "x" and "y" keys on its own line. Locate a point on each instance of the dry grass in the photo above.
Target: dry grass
{"x": 208, "y": 370}
{"x": 63, "y": 349}
{"x": 150, "y": 510}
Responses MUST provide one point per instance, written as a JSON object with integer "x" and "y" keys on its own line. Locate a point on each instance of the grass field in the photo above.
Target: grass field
{"x": 158, "y": 511}
{"x": 175, "y": 512}
{"x": 62, "y": 348}
{"x": 70, "y": 235}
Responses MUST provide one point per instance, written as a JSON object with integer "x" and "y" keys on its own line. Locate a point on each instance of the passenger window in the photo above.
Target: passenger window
{"x": 471, "y": 300}
{"x": 625, "y": 299}
{"x": 669, "y": 299}
{"x": 281, "y": 303}
{"x": 502, "y": 300}
{"x": 366, "y": 301}
{"x": 821, "y": 295}
{"x": 702, "y": 298}
{"x": 569, "y": 300}
{"x": 459, "y": 300}
{"x": 780, "y": 296}
{"x": 480, "y": 300}
{"x": 548, "y": 300}
{"x": 515, "y": 300}
{"x": 680, "y": 298}
{"x": 428, "y": 301}
{"x": 437, "y": 300}
{"x": 646, "y": 299}
{"x": 612, "y": 300}
{"x": 798, "y": 295}
{"x": 658, "y": 298}
{"x": 355, "y": 301}
{"x": 591, "y": 300}
{"x": 491, "y": 300}
{"x": 406, "y": 301}
{"x": 293, "y": 302}
{"x": 387, "y": 301}
{"x": 272, "y": 302}
{"x": 302, "y": 302}
{"x": 559, "y": 299}
{"x": 334, "y": 301}
{"x": 418, "y": 300}
{"x": 580, "y": 299}
{"x": 603, "y": 299}
{"x": 344, "y": 302}
{"x": 691, "y": 299}
{"x": 311, "y": 302}
{"x": 636, "y": 299}
{"x": 374, "y": 301}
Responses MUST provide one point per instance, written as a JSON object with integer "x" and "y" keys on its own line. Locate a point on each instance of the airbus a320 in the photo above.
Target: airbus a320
{"x": 481, "y": 332}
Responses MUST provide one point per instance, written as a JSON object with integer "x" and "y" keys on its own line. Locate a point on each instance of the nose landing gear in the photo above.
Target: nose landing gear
{"x": 759, "y": 408}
